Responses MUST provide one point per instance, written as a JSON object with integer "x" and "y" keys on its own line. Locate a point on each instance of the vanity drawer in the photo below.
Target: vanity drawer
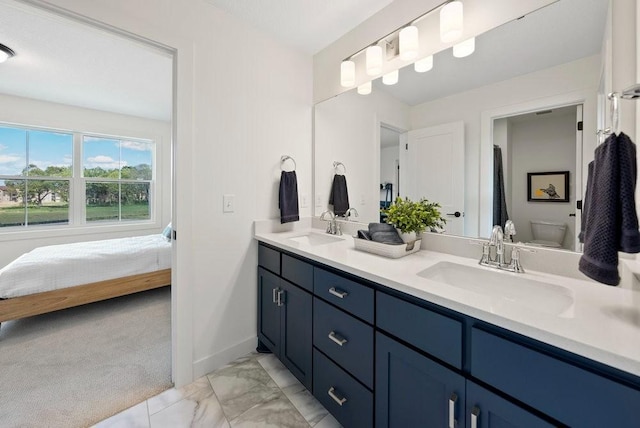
{"x": 332, "y": 386}
{"x": 269, "y": 259}
{"x": 297, "y": 272}
{"x": 570, "y": 394}
{"x": 344, "y": 339}
{"x": 429, "y": 331}
{"x": 348, "y": 295}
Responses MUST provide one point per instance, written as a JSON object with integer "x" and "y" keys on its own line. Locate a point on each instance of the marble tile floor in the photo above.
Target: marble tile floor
{"x": 254, "y": 391}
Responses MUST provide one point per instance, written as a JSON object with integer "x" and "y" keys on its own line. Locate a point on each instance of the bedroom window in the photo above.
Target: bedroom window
{"x": 118, "y": 177}
{"x": 36, "y": 168}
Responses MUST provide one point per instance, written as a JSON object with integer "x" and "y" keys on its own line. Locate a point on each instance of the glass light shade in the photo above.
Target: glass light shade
{"x": 451, "y": 21}
{"x": 3, "y": 56}
{"x": 391, "y": 78}
{"x": 365, "y": 88}
{"x": 409, "y": 43}
{"x": 5, "y": 53}
{"x": 423, "y": 65}
{"x": 347, "y": 73}
{"x": 374, "y": 60}
{"x": 465, "y": 48}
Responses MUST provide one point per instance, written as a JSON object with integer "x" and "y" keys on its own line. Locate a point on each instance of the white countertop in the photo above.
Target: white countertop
{"x": 602, "y": 323}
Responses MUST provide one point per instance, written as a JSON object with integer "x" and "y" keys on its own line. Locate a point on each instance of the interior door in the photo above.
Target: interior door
{"x": 435, "y": 170}
{"x": 577, "y": 185}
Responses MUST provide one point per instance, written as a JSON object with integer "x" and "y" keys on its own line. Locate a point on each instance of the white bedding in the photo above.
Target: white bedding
{"x": 60, "y": 266}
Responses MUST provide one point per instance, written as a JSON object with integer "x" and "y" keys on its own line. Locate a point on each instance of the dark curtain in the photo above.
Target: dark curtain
{"x": 500, "y": 215}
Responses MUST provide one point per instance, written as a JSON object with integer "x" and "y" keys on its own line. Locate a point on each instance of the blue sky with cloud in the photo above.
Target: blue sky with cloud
{"x": 52, "y": 148}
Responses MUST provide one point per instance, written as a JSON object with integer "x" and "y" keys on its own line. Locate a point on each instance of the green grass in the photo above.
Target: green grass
{"x": 59, "y": 213}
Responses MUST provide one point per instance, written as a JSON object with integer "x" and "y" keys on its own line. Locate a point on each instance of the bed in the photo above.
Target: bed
{"x": 57, "y": 277}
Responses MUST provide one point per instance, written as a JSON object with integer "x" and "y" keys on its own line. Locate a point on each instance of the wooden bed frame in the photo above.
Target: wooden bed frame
{"x": 49, "y": 301}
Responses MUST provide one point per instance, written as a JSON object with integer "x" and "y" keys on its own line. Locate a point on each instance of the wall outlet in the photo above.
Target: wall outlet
{"x": 228, "y": 203}
{"x": 319, "y": 199}
{"x": 363, "y": 200}
{"x": 304, "y": 200}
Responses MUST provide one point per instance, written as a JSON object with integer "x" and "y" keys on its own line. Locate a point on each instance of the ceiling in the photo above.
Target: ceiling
{"x": 307, "y": 25}
{"x": 64, "y": 61}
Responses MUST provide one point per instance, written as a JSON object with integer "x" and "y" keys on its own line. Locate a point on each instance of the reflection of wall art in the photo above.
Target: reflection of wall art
{"x": 548, "y": 186}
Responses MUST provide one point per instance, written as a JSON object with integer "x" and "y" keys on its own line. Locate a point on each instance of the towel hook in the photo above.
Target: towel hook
{"x": 615, "y": 111}
{"x": 337, "y": 164}
{"x": 283, "y": 159}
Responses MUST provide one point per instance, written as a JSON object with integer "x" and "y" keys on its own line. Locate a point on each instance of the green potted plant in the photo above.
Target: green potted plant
{"x": 412, "y": 218}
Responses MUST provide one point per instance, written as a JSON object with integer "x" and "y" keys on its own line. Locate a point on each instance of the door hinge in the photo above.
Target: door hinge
{"x": 175, "y": 234}
{"x": 579, "y": 205}
{"x": 580, "y": 126}
{"x": 406, "y": 146}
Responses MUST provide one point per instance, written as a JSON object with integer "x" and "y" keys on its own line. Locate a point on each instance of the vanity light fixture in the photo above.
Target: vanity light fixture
{"x": 423, "y": 65}
{"x": 391, "y": 78}
{"x": 409, "y": 45}
{"x": 374, "y": 60}
{"x": 365, "y": 88}
{"x": 5, "y": 53}
{"x": 347, "y": 73}
{"x": 464, "y": 48}
{"x": 451, "y": 21}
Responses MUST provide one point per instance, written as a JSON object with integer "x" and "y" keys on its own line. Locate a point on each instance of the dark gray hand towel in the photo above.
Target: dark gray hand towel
{"x": 339, "y": 196}
{"x": 288, "y": 197}
{"x": 611, "y": 222}
{"x": 384, "y": 233}
{"x": 363, "y": 234}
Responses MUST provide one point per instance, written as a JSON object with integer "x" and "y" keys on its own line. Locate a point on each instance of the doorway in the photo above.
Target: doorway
{"x": 533, "y": 145}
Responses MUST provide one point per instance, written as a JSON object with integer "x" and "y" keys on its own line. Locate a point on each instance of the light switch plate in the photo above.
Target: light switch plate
{"x": 228, "y": 203}
{"x": 304, "y": 200}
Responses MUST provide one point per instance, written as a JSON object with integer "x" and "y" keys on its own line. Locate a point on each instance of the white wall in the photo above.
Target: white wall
{"x": 243, "y": 100}
{"x": 29, "y": 112}
{"x": 544, "y": 144}
{"x": 577, "y": 79}
{"x": 347, "y": 129}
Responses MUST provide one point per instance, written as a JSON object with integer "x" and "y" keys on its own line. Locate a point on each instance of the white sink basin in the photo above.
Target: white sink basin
{"x": 504, "y": 288}
{"x": 314, "y": 239}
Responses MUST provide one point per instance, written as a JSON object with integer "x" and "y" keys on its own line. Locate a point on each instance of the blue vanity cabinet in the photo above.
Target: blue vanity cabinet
{"x": 488, "y": 410}
{"x": 285, "y": 317}
{"x": 415, "y": 391}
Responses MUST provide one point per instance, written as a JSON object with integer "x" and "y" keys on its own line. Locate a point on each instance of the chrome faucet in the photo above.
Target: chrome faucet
{"x": 497, "y": 241}
{"x": 509, "y": 230}
{"x": 349, "y": 212}
{"x": 332, "y": 227}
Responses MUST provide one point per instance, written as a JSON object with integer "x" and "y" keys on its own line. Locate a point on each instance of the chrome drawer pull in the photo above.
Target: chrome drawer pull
{"x": 452, "y": 410}
{"x": 332, "y": 394}
{"x": 279, "y": 298}
{"x": 475, "y": 413}
{"x": 338, "y": 293}
{"x": 336, "y": 339}
{"x": 275, "y": 290}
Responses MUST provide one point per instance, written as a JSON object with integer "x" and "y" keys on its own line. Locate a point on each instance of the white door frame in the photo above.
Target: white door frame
{"x": 587, "y": 98}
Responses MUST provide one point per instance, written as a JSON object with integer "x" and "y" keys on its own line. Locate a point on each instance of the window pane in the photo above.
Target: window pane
{"x": 50, "y": 154}
{"x": 102, "y": 201}
{"x": 13, "y": 151}
{"x": 100, "y": 157}
{"x": 12, "y": 207}
{"x": 136, "y": 159}
{"x": 135, "y": 201}
{"x": 48, "y": 201}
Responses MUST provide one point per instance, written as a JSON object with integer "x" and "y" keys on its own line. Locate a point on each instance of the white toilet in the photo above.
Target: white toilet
{"x": 547, "y": 233}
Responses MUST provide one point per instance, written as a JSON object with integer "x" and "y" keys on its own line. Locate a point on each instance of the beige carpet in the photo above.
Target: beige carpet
{"x": 75, "y": 367}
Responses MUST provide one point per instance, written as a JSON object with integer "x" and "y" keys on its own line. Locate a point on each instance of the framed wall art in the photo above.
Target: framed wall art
{"x": 548, "y": 186}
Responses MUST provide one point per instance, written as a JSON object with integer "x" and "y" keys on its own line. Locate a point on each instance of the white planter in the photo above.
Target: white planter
{"x": 407, "y": 237}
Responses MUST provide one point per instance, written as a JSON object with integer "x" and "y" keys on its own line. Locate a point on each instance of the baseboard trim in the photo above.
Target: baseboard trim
{"x": 208, "y": 364}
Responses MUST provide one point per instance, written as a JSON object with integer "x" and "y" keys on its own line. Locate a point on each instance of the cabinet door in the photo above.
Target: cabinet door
{"x": 295, "y": 350}
{"x": 487, "y": 410}
{"x": 414, "y": 391}
{"x": 268, "y": 310}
